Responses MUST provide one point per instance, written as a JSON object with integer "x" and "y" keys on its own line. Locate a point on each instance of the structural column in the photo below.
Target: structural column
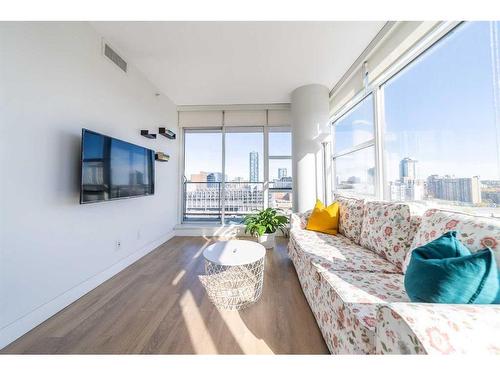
{"x": 310, "y": 109}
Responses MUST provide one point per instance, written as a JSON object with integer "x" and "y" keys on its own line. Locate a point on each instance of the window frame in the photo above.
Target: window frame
{"x": 270, "y": 157}
{"x": 266, "y": 130}
{"x": 344, "y": 111}
{"x": 376, "y": 88}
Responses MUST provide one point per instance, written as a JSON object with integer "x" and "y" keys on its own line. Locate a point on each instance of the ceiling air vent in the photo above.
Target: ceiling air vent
{"x": 113, "y": 56}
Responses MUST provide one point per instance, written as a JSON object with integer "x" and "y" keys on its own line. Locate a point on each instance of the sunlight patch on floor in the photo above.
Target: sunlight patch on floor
{"x": 198, "y": 333}
{"x": 203, "y": 247}
{"x": 179, "y": 276}
{"x": 244, "y": 337}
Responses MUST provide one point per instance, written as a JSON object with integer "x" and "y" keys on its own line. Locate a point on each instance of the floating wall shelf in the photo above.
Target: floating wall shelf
{"x": 166, "y": 133}
{"x": 145, "y": 133}
{"x": 160, "y": 156}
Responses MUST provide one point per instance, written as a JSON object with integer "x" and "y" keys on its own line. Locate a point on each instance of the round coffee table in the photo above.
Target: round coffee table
{"x": 235, "y": 273}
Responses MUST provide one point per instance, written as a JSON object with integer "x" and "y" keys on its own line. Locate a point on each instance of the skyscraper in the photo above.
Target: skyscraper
{"x": 282, "y": 172}
{"x": 407, "y": 170}
{"x": 408, "y": 187}
{"x": 254, "y": 166}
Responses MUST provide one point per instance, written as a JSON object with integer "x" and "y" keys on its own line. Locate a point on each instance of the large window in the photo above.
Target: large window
{"x": 441, "y": 135}
{"x": 354, "y": 152}
{"x": 225, "y": 172}
{"x": 437, "y": 140}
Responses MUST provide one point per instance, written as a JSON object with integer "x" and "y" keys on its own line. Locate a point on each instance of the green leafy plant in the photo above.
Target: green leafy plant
{"x": 265, "y": 221}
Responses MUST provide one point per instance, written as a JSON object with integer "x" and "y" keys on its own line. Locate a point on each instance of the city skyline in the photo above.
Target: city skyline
{"x": 470, "y": 190}
{"x": 448, "y": 187}
{"x": 237, "y": 146}
{"x": 281, "y": 173}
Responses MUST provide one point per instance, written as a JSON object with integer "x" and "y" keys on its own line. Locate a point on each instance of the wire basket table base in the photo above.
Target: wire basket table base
{"x": 233, "y": 287}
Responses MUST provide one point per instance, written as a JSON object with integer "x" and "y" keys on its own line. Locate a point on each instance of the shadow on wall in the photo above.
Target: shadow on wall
{"x": 66, "y": 177}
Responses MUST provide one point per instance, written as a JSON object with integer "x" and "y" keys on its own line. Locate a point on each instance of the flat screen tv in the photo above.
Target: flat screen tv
{"x": 114, "y": 169}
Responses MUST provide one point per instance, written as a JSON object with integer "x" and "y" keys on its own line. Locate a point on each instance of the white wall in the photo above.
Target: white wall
{"x": 309, "y": 128}
{"x": 54, "y": 81}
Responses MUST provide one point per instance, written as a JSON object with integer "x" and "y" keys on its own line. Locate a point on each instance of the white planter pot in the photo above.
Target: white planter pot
{"x": 267, "y": 240}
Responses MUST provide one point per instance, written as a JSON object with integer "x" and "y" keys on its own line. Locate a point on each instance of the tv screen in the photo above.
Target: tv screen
{"x": 114, "y": 169}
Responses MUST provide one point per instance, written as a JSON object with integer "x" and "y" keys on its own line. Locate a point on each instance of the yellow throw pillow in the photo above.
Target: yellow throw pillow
{"x": 324, "y": 219}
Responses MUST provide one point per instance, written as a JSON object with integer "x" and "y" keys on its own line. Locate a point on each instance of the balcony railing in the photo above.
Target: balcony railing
{"x": 206, "y": 201}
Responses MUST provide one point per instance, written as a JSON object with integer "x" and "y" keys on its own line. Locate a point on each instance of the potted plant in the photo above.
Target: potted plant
{"x": 264, "y": 225}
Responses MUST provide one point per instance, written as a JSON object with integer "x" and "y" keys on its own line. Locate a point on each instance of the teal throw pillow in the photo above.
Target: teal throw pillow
{"x": 445, "y": 271}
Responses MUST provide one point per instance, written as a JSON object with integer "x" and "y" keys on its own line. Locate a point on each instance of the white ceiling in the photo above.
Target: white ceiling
{"x": 238, "y": 62}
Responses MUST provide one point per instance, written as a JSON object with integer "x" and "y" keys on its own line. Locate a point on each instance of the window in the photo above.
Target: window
{"x": 353, "y": 149}
{"x": 225, "y": 169}
{"x": 280, "y": 169}
{"x": 441, "y": 131}
{"x": 280, "y": 141}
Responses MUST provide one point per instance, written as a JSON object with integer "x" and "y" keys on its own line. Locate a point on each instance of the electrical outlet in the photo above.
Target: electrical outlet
{"x": 118, "y": 244}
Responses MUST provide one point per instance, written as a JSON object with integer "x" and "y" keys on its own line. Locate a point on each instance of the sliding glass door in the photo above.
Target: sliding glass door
{"x": 223, "y": 173}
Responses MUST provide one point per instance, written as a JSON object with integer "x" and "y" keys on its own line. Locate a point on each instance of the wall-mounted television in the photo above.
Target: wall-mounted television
{"x": 114, "y": 169}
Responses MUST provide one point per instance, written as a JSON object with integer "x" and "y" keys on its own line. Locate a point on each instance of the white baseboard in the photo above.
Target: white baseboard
{"x": 26, "y": 323}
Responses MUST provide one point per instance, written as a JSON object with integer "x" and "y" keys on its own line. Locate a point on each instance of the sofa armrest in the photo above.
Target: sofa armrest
{"x": 425, "y": 328}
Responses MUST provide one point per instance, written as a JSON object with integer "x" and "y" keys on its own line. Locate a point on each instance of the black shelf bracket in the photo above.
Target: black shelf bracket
{"x": 145, "y": 133}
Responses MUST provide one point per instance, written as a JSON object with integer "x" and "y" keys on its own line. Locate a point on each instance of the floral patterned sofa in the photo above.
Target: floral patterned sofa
{"x": 354, "y": 281}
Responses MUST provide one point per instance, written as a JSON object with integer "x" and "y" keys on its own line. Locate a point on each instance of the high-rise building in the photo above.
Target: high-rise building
{"x": 407, "y": 170}
{"x": 407, "y": 191}
{"x": 282, "y": 172}
{"x": 254, "y": 166}
{"x": 466, "y": 190}
{"x": 408, "y": 187}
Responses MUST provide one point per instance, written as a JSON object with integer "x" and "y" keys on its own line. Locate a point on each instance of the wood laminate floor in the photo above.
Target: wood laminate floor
{"x": 158, "y": 306}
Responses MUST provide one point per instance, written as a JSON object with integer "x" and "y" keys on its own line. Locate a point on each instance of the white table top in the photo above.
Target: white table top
{"x": 234, "y": 252}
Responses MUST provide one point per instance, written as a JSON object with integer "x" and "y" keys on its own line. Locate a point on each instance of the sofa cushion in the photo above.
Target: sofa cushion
{"x": 475, "y": 232}
{"x": 348, "y": 308}
{"x": 338, "y": 253}
{"x": 387, "y": 230}
{"x": 351, "y": 217}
